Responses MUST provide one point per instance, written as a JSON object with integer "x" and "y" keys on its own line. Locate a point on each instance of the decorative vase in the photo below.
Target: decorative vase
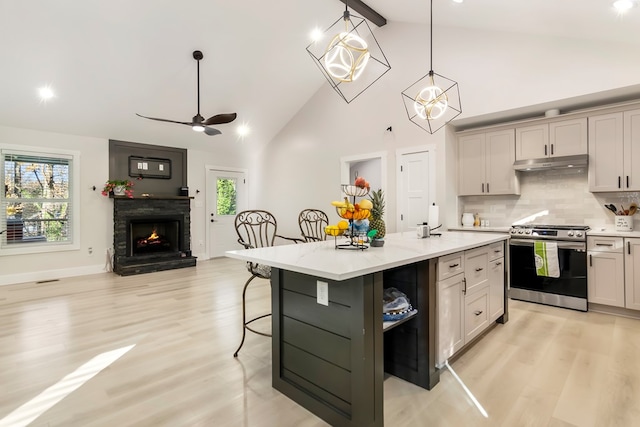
{"x": 467, "y": 219}
{"x": 118, "y": 190}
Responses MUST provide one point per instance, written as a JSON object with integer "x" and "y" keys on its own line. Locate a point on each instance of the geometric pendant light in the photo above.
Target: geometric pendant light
{"x": 433, "y": 100}
{"x": 349, "y": 56}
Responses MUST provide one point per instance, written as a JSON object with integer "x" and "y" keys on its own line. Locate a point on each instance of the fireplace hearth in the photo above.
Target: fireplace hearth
{"x": 151, "y": 234}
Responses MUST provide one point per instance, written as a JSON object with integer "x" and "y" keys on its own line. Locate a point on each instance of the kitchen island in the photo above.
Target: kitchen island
{"x": 330, "y": 348}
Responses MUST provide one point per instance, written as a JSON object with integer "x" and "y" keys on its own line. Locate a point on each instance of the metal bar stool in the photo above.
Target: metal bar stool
{"x": 312, "y": 223}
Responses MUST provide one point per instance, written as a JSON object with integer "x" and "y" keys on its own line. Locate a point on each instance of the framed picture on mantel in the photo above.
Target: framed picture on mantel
{"x": 149, "y": 167}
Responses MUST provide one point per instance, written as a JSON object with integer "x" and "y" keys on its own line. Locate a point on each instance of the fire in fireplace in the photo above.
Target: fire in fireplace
{"x": 152, "y": 236}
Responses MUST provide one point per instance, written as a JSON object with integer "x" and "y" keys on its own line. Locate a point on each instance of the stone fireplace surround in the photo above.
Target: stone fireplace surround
{"x": 126, "y": 210}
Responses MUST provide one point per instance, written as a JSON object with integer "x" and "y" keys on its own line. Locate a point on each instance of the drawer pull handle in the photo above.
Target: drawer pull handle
{"x": 478, "y": 312}
{"x": 479, "y": 269}
{"x": 604, "y": 244}
{"x": 498, "y": 263}
{"x": 498, "y": 251}
{"x": 453, "y": 265}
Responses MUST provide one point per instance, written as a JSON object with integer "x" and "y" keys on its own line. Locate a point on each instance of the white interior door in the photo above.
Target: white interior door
{"x": 414, "y": 184}
{"x": 226, "y": 196}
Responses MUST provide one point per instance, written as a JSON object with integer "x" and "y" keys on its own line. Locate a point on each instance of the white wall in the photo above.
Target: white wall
{"x": 495, "y": 72}
{"x": 95, "y": 211}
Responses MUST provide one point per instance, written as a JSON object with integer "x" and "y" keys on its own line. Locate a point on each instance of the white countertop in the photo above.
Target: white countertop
{"x": 323, "y": 260}
{"x": 610, "y": 231}
{"x": 481, "y": 229}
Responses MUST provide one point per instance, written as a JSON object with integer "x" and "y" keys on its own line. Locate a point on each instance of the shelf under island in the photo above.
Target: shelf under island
{"x": 330, "y": 352}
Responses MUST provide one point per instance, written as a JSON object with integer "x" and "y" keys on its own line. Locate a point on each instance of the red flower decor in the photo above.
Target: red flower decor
{"x": 111, "y": 184}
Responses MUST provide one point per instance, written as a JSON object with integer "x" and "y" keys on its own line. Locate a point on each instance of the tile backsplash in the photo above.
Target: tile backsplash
{"x": 558, "y": 196}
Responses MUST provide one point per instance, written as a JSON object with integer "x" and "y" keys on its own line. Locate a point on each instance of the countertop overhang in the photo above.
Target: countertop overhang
{"x": 321, "y": 259}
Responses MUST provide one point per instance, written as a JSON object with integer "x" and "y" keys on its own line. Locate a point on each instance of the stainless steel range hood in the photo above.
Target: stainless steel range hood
{"x": 580, "y": 160}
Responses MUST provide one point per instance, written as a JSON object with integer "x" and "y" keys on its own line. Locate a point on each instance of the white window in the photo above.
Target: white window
{"x": 37, "y": 211}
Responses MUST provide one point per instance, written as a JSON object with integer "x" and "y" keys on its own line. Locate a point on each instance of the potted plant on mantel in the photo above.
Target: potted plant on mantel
{"x": 118, "y": 188}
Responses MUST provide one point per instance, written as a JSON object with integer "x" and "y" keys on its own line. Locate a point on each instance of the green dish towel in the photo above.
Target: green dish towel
{"x": 546, "y": 259}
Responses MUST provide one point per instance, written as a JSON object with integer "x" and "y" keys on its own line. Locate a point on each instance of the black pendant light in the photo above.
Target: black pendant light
{"x": 433, "y": 100}
{"x": 349, "y": 55}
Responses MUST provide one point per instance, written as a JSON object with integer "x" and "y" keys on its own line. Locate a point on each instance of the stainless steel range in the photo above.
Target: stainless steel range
{"x": 569, "y": 289}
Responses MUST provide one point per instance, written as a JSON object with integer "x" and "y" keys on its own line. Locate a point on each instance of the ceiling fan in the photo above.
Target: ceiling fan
{"x": 198, "y": 123}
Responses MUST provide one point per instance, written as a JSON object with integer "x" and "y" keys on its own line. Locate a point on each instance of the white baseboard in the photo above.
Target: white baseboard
{"x": 36, "y": 276}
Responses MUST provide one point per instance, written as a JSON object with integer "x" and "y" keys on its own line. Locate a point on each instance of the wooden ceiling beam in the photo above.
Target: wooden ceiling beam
{"x": 366, "y": 12}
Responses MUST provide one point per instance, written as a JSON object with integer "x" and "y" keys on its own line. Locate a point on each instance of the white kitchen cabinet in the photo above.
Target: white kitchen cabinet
{"x": 485, "y": 162}
{"x": 632, "y": 273}
{"x": 476, "y": 312}
{"x": 554, "y": 139}
{"x": 476, "y": 265}
{"x": 614, "y": 152}
{"x": 450, "y": 317}
{"x": 496, "y": 289}
{"x": 605, "y": 273}
{"x": 471, "y": 299}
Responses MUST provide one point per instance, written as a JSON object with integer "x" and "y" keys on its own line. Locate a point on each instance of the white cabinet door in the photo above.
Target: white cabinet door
{"x": 568, "y": 137}
{"x": 476, "y": 313}
{"x": 605, "y": 278}
{"x": 500, "y": 154}
{"x": 632, "y": 273}
{"x": 450, "y": 317}
{"x": 606, "y": 152}
{"x": 631, "y": 179}
{"x": 532, "y": 142}
{"x": 471, "y": 165}
{"x": 496, "y": 289}
{"x": 476, "y": 268}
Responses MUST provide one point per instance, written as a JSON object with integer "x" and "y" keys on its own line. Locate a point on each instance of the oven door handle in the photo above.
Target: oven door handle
{"x": 561, "y": 244}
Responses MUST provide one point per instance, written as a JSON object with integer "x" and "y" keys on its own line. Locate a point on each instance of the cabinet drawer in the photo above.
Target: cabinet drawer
{"x": 496, "y": 250}
{"x": 476, "y": 264}
{"x": 605, "y": 244}
{"x": 476, "y": 313}
{"x": 450, "y": 265}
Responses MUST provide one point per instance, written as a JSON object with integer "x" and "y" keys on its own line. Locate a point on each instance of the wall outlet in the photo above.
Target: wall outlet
{"x": 90, "y": 250}
{"x": 322, "y": 294}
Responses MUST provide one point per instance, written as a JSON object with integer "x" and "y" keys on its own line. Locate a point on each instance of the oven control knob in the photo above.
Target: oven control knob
{"x": 570, "y": 233}
{"x": 520, "y": 231}
{"x": 514, "y": 231}
{"x": 578, "y": 233}
{"x": 528, "y": 231}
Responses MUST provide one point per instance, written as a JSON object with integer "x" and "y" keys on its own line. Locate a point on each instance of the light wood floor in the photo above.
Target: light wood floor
{"x": 545, "y": 367}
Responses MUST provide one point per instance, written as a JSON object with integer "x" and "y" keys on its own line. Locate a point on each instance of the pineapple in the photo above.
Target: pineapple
{"x": 377, "y": 211}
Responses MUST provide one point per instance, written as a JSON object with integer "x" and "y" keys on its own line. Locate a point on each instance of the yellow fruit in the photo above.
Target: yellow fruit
{"x": 338, "y": 203}
{"x": 332, "y": 230}
{"x": 343, "y": 225}
{"x": 366, "y": 204}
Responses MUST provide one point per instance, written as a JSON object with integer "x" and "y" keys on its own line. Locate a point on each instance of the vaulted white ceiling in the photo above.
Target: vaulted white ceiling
{"x": 107, "y": 60}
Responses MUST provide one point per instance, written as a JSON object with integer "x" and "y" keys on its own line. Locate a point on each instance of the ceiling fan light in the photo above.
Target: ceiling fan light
{"x": 198, "y": 128}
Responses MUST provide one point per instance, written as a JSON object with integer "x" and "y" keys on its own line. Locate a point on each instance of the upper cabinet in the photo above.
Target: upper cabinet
{"x": 554, "y": 139}
{"x": 614, "y": 151}
{"x": 485, "y": 162}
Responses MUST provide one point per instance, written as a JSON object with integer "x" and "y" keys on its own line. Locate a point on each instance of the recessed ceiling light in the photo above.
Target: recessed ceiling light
{"x": 458, "y": 1}
{"x": 46, "y": 93}
{"x": 624, "y": 5}
{"x": 316, "y": 34}
{"x": 243, "y": 130}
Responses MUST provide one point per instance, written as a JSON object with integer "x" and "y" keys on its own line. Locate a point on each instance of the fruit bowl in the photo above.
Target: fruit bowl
{"x": 333, "y": 230}
{"x": 352, "y": 190}
{"x": 355, "y": 214}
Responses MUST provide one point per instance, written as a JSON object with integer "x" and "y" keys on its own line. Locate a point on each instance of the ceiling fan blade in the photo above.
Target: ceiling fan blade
{"x": 164, "y": 120}
{"x": 211, "y": 131}
{"x": 220, "y": 119}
